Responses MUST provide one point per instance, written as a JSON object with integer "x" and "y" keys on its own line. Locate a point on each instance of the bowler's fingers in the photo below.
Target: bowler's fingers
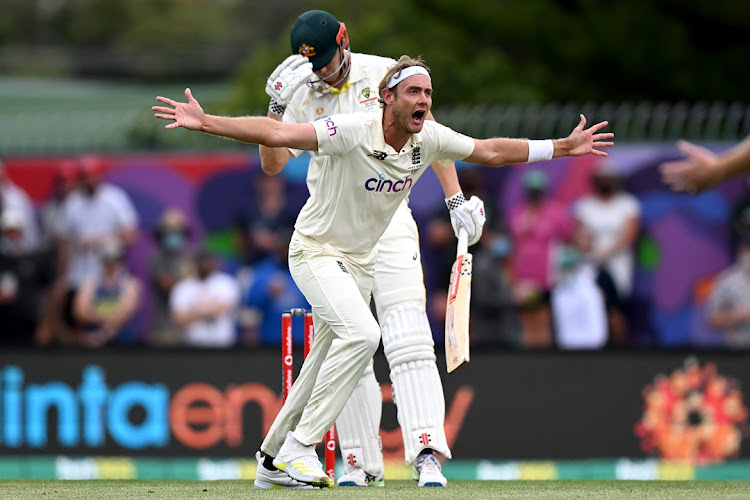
{"x": 582, "y": 123}
{"x": 167, "y": 100}
{"x": 598, "y": 153}
{"x": 599, "y": 137}
{"x": 162, "y": 109}
{"x": 598, "y": 126}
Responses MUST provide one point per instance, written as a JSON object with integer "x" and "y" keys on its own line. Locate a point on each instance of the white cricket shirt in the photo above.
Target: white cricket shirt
{"x": 362, "y": 180}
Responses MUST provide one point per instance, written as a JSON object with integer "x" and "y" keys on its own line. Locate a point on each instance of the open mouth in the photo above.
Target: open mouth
{"x": 417, "y": 116}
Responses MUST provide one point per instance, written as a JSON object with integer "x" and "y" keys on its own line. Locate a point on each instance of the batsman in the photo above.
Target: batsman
{"x": 323, "y": 77}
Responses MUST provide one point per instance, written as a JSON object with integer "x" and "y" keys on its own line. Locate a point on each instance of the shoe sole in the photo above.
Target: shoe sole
{"x": 263, "y": 485}
{"x": 432, "y": 485}
{"x": 319, "y": 482}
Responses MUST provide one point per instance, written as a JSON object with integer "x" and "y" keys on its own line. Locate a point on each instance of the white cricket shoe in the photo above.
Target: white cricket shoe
{"x": 301, "y": 463}
{"x": 360, "y": 477}
{"x": 266, "y": 479}
{"x": 427, "y": 470}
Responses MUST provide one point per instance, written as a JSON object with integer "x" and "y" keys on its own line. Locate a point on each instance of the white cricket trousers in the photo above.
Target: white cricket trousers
{"x": 338, "y": 288}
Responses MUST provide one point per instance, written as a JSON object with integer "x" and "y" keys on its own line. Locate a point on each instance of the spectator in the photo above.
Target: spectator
{"x": 107, "y": 301}
{"x": 65, "y": 183}
{"x": 204, "y": 305}
{"x": 538, "y": 226}
{"x": 611, "y": 217}
{"x": 271, "y": 292}
{"x": 24, "y": 277}
{"x": 729, "y": 302}
{"x": 170, "y": 263}
{"x": 577, "y": 304}
{"x": 494, "y": 318}
{"x": 269, "y": 213}
{"x": 14, "y": 198}
{"x": 96, "y": 213}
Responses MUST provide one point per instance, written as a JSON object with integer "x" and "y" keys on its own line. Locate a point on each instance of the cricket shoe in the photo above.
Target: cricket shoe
{"x": 267, "y": 479}
{"x": 360, "y": 477}
{"x": 301, "y": 463}
{"x": 427, "y": 470}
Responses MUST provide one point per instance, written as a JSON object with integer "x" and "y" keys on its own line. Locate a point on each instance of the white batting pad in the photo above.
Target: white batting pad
{"x": 358, "y": 426}
{"x": 417, "y": 389}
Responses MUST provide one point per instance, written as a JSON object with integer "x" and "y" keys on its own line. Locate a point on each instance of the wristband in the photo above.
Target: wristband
{"x": 276, "y": 108}
{"x": 540, "y": 150}
{"x": 455, "y": 201}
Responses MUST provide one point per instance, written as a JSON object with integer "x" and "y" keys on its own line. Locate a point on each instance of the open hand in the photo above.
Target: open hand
{"x": 694, "y": 173}
{"x": 586, "y": 141}
{"x": 189, "y": 115}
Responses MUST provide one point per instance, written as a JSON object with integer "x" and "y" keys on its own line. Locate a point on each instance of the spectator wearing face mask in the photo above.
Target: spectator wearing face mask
{"x": 538, "y": 226}
{"x": 729, "y": 302}
{"x": 170, "y": 263}
{"x": 204, "y": 305}
{"x": 577, "y": 303}
{"x": 494, "y": 318}
{"x": 95, "y": 213}
{"x": 611, "y": 217}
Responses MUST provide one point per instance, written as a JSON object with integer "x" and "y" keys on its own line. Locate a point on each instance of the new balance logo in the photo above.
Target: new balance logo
{"x": 378, "y": 155}
{"x": 342, "y": 266}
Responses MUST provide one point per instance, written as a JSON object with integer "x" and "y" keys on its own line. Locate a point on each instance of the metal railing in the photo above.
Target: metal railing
{"x": 631, "y": 122}
{"x": 55, "y": 132}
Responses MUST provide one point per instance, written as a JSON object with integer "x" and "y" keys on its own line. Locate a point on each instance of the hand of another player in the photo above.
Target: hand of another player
{"x": 586, "y": 141}
{"x": 189, "y": 115}
{"x": 470, "y": 216}
{"x": 693, "y": 174}
{"x": 287, "y": 78}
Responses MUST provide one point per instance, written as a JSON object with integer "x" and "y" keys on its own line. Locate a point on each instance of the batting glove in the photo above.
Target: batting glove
{"x": 467, "y": 214}
{"x": 285, "y": 80}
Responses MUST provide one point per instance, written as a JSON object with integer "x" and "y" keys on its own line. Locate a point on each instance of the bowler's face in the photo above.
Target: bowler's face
{"x": 413, "y": 102}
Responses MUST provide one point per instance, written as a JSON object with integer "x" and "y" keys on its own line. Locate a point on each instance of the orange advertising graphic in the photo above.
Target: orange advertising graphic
{"x": 694, "y": 414}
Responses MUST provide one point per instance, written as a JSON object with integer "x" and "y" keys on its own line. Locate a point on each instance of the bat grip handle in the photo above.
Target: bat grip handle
{"x": 463, "y": 242}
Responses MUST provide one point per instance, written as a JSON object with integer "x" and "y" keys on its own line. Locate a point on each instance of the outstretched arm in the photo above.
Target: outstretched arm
{"x": 500, "y": 151}
{"x": 251, "y": 129}
{"x": 702, "y": 169}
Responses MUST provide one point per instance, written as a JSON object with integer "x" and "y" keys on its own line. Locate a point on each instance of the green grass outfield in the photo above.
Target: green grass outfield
{"x": 214, "y": 490}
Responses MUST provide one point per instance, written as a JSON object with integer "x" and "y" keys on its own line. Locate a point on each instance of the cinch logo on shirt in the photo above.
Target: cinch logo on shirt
{"x": 387, "y": 185}
{"x": 332, "y": 128}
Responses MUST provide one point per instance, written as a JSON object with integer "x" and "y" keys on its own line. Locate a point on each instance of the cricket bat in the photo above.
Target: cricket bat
{"x": 457, "y": 308}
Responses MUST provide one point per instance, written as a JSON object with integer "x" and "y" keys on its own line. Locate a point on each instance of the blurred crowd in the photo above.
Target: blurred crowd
{"x": 550, "y": 275}
{"x": 547, "y": 275}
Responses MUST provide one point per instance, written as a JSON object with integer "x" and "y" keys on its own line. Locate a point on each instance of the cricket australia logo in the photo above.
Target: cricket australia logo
{"x": 416, "y": 157}
{"x": 306, "y": 50}
{"x": 366, "y": 92}
{"x": 378, "y": 155}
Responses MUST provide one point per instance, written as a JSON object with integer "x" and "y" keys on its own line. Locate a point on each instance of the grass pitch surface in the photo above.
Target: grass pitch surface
{"x": 215, "y": 490}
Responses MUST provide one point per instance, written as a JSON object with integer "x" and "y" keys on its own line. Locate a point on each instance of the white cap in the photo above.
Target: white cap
{"x": 11, "y": 219}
